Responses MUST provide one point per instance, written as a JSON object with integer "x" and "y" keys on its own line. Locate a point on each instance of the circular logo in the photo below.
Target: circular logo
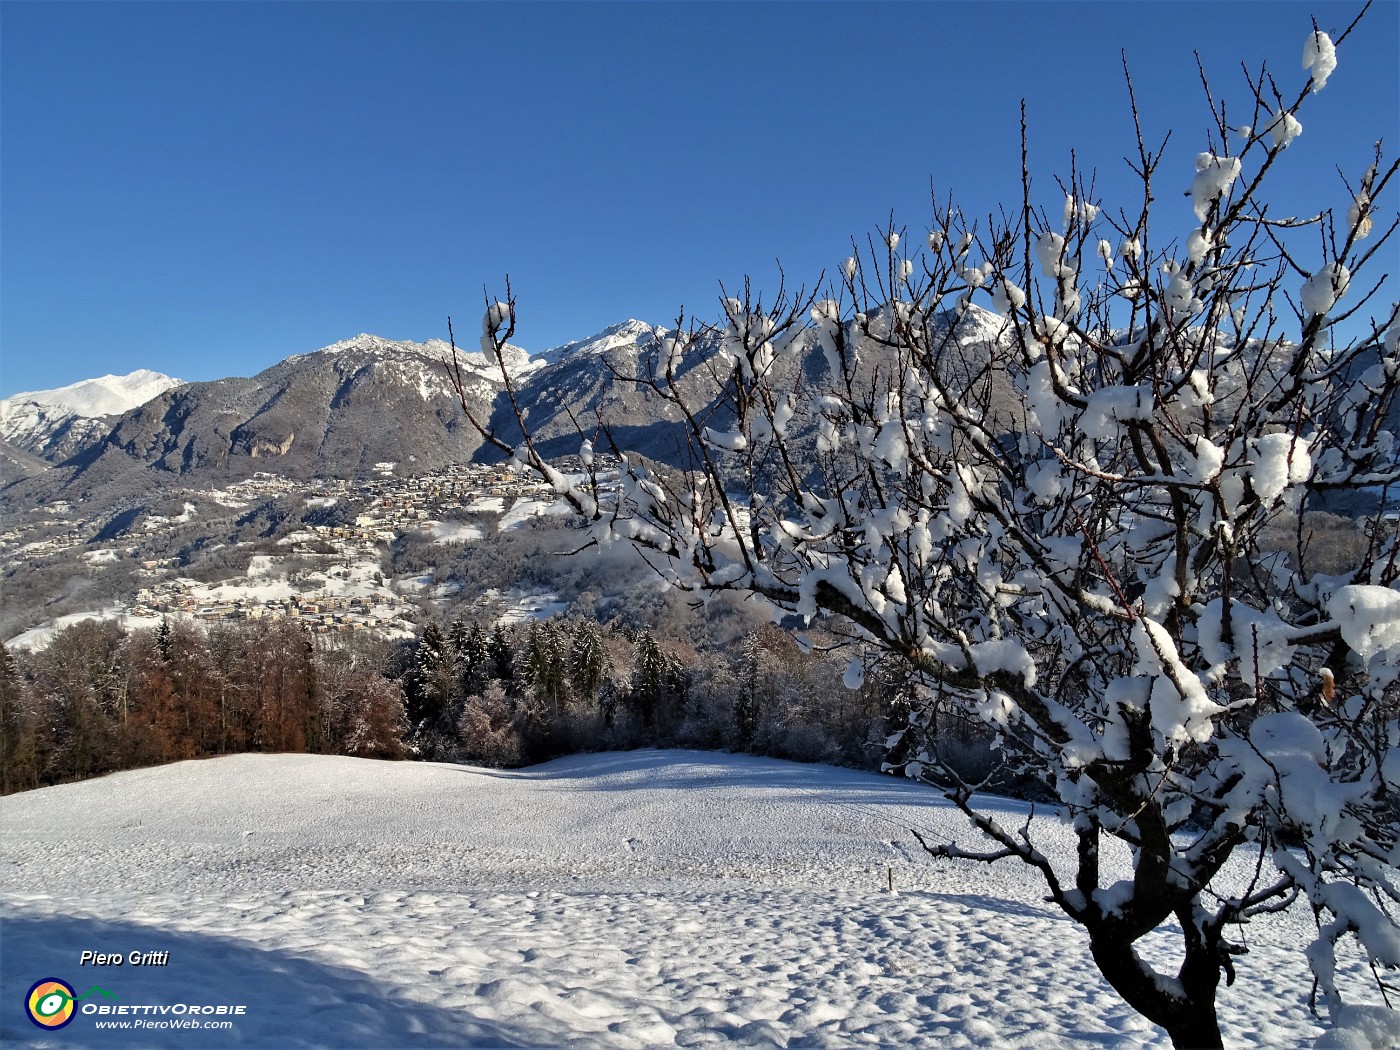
{"x": 50, "y": 1003}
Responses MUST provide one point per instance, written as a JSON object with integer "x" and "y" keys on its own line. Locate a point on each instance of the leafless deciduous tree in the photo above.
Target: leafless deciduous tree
{"x": 1034, "y": 458}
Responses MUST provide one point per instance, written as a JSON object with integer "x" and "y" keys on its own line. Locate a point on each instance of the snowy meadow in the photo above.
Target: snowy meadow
{"x": 638, "y": 899}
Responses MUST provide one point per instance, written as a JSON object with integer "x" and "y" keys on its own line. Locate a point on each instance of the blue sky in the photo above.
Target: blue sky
{"x": 206, "y": 188}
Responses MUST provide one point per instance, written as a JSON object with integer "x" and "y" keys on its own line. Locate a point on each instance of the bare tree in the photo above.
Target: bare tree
{"x": 1033, "y": 459}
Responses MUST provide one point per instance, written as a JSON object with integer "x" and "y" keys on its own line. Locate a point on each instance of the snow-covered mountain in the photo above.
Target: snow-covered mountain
{"x": 54, "y": 425}
{"x": 344, "y": 410}
{"x": 353, "y": 406}
{"x": 107, "y": 395}
{"x": 627, "y": 336}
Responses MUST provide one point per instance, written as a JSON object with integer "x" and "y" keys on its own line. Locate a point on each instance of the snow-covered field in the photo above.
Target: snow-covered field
{"x": 454, "y": 531}
{"x": 650, "y": 898}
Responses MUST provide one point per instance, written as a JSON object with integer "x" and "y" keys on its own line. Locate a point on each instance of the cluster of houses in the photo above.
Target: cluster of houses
{"x": 382, "y": 509}
{"x": 322, "y": 614}
{"x": 387, "y": 508}
{"x": 360, "y": 538}
{"x": 260, "y": 486}
{"x": 455, "y": 488}
{"x": 49, "y": 544}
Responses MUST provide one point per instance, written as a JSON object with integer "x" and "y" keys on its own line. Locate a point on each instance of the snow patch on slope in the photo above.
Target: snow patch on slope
{"x": 480, "y": 377}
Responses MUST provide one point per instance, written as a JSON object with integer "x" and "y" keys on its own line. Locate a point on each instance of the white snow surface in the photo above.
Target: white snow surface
{"x": 41, "y": 637}
{"x": 640, "y": 899}
{"x": 107, "y": 395}
{"x": 453, "y": 531}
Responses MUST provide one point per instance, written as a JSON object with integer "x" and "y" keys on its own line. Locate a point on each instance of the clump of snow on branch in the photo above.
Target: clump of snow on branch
{"x": 1279, "y": 460}
{"x": 1322, "y": 290}
{"x": 1359, "y": 214}
{"x": 1319, "y": 56}
{"x": 1214, "y": 177}
{"x": 1369, "y": 620}
{"x": 491, "y": 323}
{"x": 1283, "y": 127}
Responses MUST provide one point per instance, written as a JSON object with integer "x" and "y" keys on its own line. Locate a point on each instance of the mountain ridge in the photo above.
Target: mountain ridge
{"x": 342, "y": 410}
{"x": 349, "y": 408}
{"x": 99, "y": 396}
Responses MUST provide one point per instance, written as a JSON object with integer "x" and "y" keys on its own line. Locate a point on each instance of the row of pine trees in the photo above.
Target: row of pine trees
{"x": 100, "y": 698}
{"x": 547, "y": 688}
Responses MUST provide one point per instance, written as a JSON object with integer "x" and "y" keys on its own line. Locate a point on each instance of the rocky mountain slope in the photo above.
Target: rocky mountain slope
{"x": 342, "y": 411}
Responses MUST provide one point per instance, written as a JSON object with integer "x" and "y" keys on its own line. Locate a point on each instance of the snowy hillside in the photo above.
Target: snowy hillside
{"x": 55, "y": 424}
{"x": 627, "y": 335}
{"x": 108, "y": 395}
{"x": 618, "y": 900}
{"x": 422, "y": 365}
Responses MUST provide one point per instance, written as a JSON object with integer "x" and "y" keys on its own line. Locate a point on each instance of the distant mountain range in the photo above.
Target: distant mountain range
{"x": 108, "y": 395}
{"x": 363, "y": 408}
{"x": 347, "y": 410}
{"x": 342, "y": 411}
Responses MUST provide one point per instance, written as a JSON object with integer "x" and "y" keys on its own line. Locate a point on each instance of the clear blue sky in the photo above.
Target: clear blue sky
{"x": 205, "y": 188}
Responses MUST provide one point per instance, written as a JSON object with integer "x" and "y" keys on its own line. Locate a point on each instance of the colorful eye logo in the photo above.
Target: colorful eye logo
{"x": 50, "y": 1003}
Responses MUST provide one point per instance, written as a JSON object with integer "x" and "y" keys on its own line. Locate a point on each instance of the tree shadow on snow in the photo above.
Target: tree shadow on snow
{"x": 290, "y": 1001}
{"x": 1003, "y": 906}
{"x": 685, "y": 770}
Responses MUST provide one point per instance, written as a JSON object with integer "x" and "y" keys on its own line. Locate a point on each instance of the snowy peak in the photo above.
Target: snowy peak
{"x": 107, "y": 395}
{"x": 978, "y": 325}
{"x": 435, "y": 352}
{"x": 366, "y": 342}
{"x": 629, "y": 333}
{"x": 626, "y": 335}
{"x": 57, "y": 424}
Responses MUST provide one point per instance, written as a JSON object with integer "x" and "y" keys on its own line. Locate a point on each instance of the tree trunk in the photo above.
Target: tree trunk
{"x": 1199, "y": 1030}
{"x": 1191, "y": 1021}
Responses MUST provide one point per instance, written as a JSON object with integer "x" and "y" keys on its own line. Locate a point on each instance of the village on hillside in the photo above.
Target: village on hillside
{"x": 325, "y": 570}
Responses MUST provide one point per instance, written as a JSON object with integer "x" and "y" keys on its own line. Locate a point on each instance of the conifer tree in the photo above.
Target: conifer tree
{"x": 589, "y": 663}
{"x": 432, "y": 684}
{"x": 475, "y": 664}
{"x": 164, "y": 638}
{"x": 746, "y": 702}
{"x": 457, "y": 637}
{"x": 658, "y": 683}
{"x": 502, "y": 650}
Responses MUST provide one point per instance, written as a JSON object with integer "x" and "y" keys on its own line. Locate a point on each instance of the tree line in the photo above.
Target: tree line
{"x": 101, "y": 698}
